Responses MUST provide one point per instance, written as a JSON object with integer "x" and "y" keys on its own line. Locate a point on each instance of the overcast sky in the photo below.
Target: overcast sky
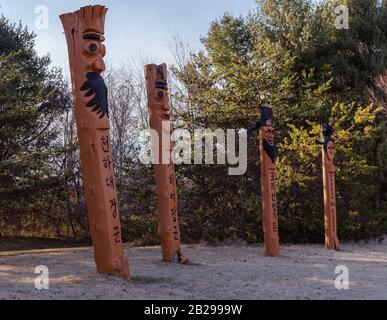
{"x": 134, "y": 28}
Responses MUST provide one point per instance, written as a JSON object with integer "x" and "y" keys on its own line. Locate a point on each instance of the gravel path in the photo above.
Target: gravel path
{"x": 225, "y": 272}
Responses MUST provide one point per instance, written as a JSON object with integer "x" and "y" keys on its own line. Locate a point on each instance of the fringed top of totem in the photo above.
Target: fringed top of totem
{"x": 157, "y": 75}
{"x": 91, "y": 17}
{"x": 161, "y": 77}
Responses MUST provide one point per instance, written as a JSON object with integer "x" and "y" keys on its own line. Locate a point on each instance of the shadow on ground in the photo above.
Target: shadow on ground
{"x": 224, "y": 272}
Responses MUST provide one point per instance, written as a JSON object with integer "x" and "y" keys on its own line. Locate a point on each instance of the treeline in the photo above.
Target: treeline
{"x": 287, "y": 54}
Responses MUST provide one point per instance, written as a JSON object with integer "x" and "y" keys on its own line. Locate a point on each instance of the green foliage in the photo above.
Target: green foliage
{"x": 32, "y": 97}
{"x": 288, "y": 54}
{"x": 140, "y": 230}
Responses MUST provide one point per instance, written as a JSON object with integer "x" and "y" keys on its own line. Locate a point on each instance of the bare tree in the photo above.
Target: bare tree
{"x": 127, "y": 113}
{"x": 378, "y": 94}
{"x": 180, "y": 78}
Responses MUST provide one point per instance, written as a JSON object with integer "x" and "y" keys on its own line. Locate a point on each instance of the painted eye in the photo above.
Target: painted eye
{"x": 93, "y": 47}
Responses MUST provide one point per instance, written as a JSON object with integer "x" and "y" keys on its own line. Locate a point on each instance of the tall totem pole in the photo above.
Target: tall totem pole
{"x": 84, "y": 30}
{"x": 158, "y": 106}
{"x": 268, "y": 151}
{"x": 331, "y": 239}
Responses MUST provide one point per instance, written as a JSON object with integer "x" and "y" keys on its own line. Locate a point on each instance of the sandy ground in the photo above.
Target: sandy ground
{"x": 225, "y": 272}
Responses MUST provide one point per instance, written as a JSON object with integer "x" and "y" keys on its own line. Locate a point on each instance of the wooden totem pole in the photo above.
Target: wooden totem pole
{"x": 158, "y": 106}
{"x": 84, "y": 30}
{"x": 331, "y": 239}
{"x": 268, "y": 153}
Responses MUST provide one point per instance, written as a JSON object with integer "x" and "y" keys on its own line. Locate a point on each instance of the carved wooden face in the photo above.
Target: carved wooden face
{"x": 269, "y": 135}
{"x": 84, "y": 33}
{"x": 331, "y": 150}
{"x": 268, "y": 140}
{"x": 161, "y": 84}
{"x": 93, "y": 51}
{"x": 157, "y": 90}
{"x": 94, "y": 88}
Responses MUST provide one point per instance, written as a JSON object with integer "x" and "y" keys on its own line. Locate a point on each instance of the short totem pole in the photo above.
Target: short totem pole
{"x": 158, "y": 106}
{"x": 268, "y": 151}
{"x": 331, "y": 239}
{"x": 84, "y": 30}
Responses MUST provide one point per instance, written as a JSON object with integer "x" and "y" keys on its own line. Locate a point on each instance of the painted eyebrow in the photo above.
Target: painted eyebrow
{"x": 92, "y": 36}
{"x": 161, "y": 85}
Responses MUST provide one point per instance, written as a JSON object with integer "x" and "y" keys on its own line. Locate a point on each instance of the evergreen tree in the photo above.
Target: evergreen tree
{"x": 32, "y": 97}
{"x": 289, "y": 54}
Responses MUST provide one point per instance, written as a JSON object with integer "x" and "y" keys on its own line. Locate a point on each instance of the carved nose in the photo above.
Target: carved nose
{"x": 99, "y": 65}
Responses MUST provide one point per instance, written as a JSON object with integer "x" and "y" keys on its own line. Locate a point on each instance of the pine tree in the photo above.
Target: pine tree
{"x": 289, "y": 54}
{"x": 32, "y": 97}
